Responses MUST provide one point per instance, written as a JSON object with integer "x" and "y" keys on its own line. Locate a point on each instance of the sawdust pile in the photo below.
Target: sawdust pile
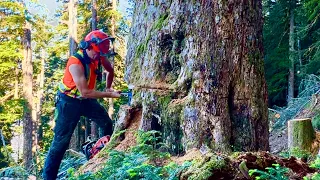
{"x": 129, "y": 136}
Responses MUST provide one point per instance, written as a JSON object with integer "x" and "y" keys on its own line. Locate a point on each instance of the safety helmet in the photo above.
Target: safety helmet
{"x": 98, "y": 40}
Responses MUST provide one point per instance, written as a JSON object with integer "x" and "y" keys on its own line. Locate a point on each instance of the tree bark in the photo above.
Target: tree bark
{"x": 27, "y": 71}
{"x": 114, "y": 8}
{"x": 72, "y": 25}
{"x": 210, "y": 53}
{"x": 94, "y": 126}
{"x": 291, "y": 52}
{"x": 74, "y": 143}
{"x": 16, "y": 82}
{"x": 40, "y": 94}
{"x": 301, "y": 134}
{"x": 94, "y": 15}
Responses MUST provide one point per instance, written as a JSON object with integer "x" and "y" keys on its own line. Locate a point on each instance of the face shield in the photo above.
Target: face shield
{"x": 106, "y": 48}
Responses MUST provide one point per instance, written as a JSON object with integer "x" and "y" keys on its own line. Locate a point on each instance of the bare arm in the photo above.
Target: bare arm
{"x": 108, "y": 67}
{"x": 81, "y": 83}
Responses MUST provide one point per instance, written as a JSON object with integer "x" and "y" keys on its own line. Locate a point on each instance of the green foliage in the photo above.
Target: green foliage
{"x": 4, "y": 159}
{"x": 136, "y": 163}
{"x": 14, "y": 172}
{"x": 307, "y": 88}
{"x": 11, "y": 112}
{"x": 316, "y": 163}
{"x": 173, "y": 169}
{"x": 276, "y": 45}
{"x": 296, "y": 152}
{"x": 147, "y": 143}
{"x": 140, "y": 49}
{"x": 315, "y": 176}
{"x": 204, "y": 169}
{"x": 163, "y": 19}
{"x": 273, "y": 173}
{"x": 316, "y": 120}
{"x": 69, "y": 164}
{"x": 129, "y": 166}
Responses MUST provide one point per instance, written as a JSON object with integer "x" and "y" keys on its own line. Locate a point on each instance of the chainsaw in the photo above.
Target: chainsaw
{"x": 91, "y": 148}
{"x": 127, "y": 94}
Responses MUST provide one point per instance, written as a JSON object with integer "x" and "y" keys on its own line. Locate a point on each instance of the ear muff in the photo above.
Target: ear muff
{"x": 84, "y": 44}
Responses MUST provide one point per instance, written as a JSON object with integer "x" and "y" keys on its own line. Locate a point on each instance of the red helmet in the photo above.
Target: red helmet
{"x": 99, "y": 41}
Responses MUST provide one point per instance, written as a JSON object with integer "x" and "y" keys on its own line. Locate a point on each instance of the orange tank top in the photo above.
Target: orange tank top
{"x": 68, "y": 86}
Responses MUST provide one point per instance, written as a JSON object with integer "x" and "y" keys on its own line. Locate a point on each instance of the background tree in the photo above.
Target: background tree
{"x": 289, "y": 25}
{"x": 14, "y": 18}
{"x": 27, "y": 71}
{"x": 94, "y": 126}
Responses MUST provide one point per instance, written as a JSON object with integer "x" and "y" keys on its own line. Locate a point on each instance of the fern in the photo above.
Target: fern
{"x": 316, "y": 163}
{"x": 14, "y": 172}
{"x": 135, "y": 164}
{"x": 273, "y": 173}
{"x": 173, "y": 169}
{"x": 70, "y": 163}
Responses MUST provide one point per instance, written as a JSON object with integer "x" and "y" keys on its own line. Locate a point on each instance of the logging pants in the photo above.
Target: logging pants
{"x": 67, "y": 114}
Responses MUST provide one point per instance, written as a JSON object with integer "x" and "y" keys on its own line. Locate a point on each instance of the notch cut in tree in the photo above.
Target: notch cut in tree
{"x": 301, "y": 134}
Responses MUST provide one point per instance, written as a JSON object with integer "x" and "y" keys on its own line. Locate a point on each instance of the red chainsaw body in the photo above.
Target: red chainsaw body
{"x": 91, "y": 148}
{"x": 99, "y": 145}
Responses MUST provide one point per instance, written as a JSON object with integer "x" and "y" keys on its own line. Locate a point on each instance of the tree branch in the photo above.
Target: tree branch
{"x": 6, "y": 97}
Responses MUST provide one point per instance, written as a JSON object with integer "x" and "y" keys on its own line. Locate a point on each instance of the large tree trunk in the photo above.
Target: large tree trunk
{"x": 291, "y": 52}
{"x": 203, "y": 64}
{"x": 72, "y": 6}
{"x": 94, "y": 126}
{"x": 27, "y": 71}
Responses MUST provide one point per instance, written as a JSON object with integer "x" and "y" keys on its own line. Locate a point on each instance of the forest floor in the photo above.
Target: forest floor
{"x": 298, "y": 168}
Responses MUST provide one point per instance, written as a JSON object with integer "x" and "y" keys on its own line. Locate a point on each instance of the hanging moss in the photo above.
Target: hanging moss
{"x": 140, "y": 50}
{"x": 163, "y": 19}
{"x": 144, "y": 6}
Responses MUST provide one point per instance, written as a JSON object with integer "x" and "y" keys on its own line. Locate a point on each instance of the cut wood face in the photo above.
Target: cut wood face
{"x": 304, "y": 119}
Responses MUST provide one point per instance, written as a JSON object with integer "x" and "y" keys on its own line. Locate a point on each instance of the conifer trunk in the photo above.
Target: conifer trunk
{"x": 40, "y": 95}
{"x": 94, "y": 15}
{"x": 114, "y": 8}
{"x": 27, "y": 71}
{"x": 291, "y": 51}
{"x": 72, "y": 25}
{"x": 94, "y": 126}
{"x": 16, "y": 82}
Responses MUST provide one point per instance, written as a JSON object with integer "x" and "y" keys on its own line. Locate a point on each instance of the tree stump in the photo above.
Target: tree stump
{"x": 301, "y": 134}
